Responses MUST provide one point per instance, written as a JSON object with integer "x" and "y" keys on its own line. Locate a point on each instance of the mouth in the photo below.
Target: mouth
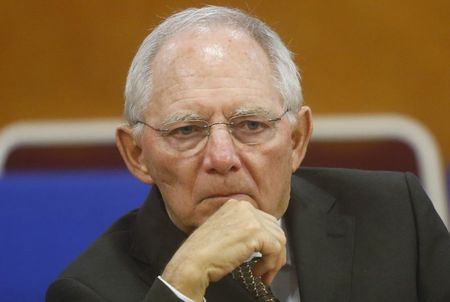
{"x": 221, "y": 199}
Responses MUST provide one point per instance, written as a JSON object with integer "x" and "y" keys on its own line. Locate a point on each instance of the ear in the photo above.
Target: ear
{"x": 301, "y": 133}
{"x": 132, "y": 154}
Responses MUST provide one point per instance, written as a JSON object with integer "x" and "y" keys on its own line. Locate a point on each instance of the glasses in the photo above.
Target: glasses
{"x": 246, "y": 129}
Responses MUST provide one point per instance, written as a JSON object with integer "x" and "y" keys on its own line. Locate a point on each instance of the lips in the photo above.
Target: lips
{"x": 221, "y": 190}
{"x": 237, "y": 196}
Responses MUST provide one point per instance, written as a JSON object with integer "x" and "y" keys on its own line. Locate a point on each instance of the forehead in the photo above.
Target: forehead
{"x": 220, "y": 64}
{"x": 210, "y": 45}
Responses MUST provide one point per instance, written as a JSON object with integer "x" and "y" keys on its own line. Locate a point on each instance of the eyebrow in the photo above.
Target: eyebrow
{"x": 251, "y": 111}
{"x": 181, "y": 116}
{"x": 191, "y": 116}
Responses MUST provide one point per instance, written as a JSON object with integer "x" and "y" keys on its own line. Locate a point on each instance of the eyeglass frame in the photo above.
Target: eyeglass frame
{"x": 208, "y": 126}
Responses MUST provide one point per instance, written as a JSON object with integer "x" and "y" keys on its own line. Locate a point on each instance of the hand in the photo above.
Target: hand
{"x": 228, "y": 238}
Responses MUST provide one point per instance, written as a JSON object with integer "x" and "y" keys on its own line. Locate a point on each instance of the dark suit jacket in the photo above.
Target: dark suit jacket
{"x": 355, "y": 236}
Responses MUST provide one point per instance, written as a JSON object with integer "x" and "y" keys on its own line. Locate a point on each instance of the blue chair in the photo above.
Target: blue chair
{"x": 47, "y": 219}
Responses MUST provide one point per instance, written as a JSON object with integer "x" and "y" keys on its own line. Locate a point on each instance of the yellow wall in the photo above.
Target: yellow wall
{"x": 68, "y": 59}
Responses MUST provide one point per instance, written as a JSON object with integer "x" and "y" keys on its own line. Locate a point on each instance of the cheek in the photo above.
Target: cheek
{"x": 172, "y": 173}
{"x": 270, "y": 168}
{"x": 271, "y": 160}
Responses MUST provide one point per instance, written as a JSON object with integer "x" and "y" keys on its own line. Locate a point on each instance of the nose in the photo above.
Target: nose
{"x": 221, "y": 155}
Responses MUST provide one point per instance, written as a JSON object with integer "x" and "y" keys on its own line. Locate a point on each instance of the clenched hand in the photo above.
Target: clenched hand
{"x": 228, "y": 238}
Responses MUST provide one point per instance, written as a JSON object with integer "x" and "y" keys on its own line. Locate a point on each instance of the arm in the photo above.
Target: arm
{"x": 433, "y": 247}
{"x": 69, "y": 290}
{"x": 72, "y": 290}
{"x": 212, "y": 251}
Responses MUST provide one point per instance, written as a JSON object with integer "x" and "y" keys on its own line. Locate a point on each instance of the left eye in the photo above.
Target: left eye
{"x": 252, "y": 125}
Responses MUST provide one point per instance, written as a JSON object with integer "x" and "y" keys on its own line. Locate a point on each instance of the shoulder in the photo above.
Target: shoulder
{"x": 350, "y": 177}
{"x": 362, "y": 193}
{"x": 359, "y": 182}
{"x": 388, "y": 201}
{"x": 112, "y": 244}
{"x": 106, "y": 267}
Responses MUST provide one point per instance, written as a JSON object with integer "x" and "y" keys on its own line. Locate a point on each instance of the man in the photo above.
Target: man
{"x": 216, "y": 124}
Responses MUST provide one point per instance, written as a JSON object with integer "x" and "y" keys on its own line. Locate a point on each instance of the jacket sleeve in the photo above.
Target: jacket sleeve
{"x": 160, "y": 292}
{"x": 433, "y": 248}
{"x": 72, "y": 290}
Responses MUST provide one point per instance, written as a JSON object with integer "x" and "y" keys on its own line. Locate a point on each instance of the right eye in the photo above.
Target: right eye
{"x": 185, "y": 131}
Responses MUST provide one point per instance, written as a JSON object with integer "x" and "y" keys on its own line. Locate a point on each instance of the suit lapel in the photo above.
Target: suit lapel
{"x": 322, "y": 244}
{"x": 155, "y": 237}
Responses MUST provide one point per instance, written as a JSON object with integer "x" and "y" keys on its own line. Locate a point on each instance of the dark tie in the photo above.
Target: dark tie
{"x": 244, "y": 275}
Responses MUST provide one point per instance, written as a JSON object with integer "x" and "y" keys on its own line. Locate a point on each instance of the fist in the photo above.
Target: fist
{"x": 228, "y": 238}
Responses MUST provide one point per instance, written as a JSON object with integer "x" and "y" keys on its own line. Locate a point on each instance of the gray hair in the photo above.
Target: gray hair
{"x": 138, "y": 87}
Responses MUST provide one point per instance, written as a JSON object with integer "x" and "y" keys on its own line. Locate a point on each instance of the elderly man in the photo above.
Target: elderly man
{"x": 216, "y": 125}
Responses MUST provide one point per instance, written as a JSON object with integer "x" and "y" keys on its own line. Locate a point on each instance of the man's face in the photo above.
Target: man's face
{"x": 215, "y": 74}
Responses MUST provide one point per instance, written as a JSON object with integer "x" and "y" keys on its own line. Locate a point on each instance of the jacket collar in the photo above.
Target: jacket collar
{"x": 155, "y": 238}
{"x": 321, "y": 241}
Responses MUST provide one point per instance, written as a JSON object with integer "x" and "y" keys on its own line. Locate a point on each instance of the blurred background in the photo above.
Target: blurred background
{"x": 68, "y": 60}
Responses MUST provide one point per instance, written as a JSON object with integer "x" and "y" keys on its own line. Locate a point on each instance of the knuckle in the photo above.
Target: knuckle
{"x": 245, "y": 205}
{"x": 272, "y": 265}
{"x": 253, "y": 226}
{"x": 278, "y": 246}
{"x": 272, "y": 218}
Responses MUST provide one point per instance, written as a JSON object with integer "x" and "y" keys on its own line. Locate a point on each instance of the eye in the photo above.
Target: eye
{"x": 250, "y": 125}
{"x": 185, "y": 130}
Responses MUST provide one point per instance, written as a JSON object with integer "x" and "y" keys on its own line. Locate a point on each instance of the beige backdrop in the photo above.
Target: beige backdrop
{"x": 68, "y": 59}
